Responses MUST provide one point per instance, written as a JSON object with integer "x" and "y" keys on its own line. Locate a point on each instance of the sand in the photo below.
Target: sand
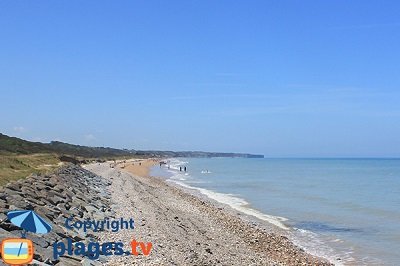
{"x": 185, "y": 229}
{"x": 137, "y": 167}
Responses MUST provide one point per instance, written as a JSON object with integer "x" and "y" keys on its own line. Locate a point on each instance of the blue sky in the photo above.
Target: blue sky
{"x": 281, "y": 78}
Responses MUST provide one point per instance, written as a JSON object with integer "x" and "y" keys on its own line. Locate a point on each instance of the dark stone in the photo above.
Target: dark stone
{"x": 43, "y": 254}
{"x": 69, "y": 159}
{"x": 40, "y": 240}
{"x": 5, "y": 234}
{"x": 14, "y": 186}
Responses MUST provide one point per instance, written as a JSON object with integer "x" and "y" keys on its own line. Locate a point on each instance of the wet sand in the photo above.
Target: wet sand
{"x": 137, "y": 167}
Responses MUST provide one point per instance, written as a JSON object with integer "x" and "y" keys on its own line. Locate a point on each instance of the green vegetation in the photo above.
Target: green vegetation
{"x": 20, "y": 158}
{"x": 20, "y": 146}
{"x": 13, "y": 167}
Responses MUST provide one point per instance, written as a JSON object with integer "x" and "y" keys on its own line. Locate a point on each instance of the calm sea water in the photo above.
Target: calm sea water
{"x": 338, "y": 208}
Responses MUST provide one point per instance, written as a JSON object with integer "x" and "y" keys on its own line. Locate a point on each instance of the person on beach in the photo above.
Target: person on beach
{"x": 180, "y": 168}
{"x": 184, "y": 169}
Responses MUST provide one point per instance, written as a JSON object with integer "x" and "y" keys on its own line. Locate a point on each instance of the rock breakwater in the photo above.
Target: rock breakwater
{"x": 71, "y": 191}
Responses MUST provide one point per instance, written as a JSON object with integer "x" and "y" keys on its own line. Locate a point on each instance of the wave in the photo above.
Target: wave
{"x": 236, "y": 203}
{"x": 231, "y": 200}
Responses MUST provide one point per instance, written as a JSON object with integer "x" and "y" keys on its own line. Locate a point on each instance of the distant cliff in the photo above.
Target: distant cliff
{"x": 196, "y": 154}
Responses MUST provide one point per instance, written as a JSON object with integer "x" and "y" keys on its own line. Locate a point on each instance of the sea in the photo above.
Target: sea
{"x": 346, "y": 210}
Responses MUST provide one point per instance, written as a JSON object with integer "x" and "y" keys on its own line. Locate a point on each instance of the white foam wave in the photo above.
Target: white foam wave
{"x": 238, "y": 204}
{"x": 231, "y": 200}
{"x": 206, "y": 172}
{"x": 319, "y": 246}
{"x": 175, "y": 164}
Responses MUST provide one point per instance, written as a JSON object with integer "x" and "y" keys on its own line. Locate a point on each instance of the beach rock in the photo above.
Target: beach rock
{"x": 87, "y": 262}
{"x": 39, "y": 263}
{"x": 16, "y": 187}
{"x": 54, "y": 200}
{"x": 43, "y": 254}
{"x": 5, "y": 234}
{"x": 3, "y": 216}
{"x": 39, "y": 240}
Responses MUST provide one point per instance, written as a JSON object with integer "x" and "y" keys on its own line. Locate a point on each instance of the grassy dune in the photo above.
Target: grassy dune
{"x": 13, "y": 167}
{"x": 20, "y": 158}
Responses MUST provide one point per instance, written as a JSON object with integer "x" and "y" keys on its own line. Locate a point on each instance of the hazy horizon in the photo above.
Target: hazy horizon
{"x": 282, "y": 79}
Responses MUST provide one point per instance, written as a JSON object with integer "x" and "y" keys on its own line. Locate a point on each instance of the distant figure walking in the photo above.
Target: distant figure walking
{"x": 185, "y": 168}
{"x": 180, "y": 168}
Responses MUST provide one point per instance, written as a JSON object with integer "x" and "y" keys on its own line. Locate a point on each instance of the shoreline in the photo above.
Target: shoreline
{"x": 241, "y": 208}
{"x": 312, "y": 243}
{"x": 197, "y": 216}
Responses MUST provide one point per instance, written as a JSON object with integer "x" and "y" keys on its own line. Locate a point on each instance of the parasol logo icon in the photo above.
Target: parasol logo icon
{"x": 29, "y": 221}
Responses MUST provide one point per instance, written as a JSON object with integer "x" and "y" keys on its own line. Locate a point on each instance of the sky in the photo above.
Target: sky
{"x": 279, "y": 78}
